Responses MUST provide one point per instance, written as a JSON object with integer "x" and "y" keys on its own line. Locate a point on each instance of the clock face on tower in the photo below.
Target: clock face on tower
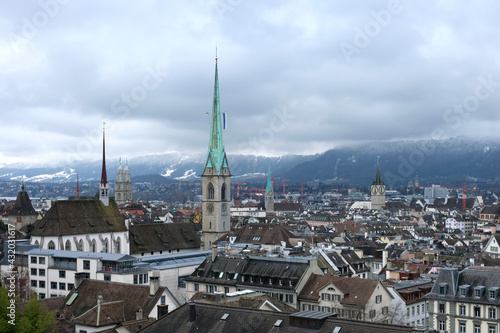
{"x": 210, "y": 208}
{"x": 374, "y": 190}
{"x": 382, "y": 190}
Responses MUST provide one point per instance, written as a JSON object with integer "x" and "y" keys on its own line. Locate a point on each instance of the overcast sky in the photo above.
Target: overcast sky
{"x": 295, "y": 76}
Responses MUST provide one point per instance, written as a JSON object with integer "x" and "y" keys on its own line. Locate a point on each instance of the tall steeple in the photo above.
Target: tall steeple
{"x": 104, "y": 185}
{"x": 269, "y": 198}
{"x": 77, "y": 187}
{"x": 216, "y": 178}
{"x": 378, "y": 190}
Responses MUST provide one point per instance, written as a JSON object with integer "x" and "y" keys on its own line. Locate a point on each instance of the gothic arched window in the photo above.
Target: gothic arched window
{"x": 80, "y": 245}
{"x": 223, "y": 192}
{"x": 93, "y": 246}
{"x": 118, "y": 245}
{"x": 67, "y": 246}
{"x": 52, "y": 245}
{"x": 105, "y": 246}
{"x": 211, "y": 191}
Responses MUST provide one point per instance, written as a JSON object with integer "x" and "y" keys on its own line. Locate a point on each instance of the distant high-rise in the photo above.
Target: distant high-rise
{"x": 378, "y": 191}
{"x": 123, "y": 185}
{"x": 269, "y": 203}
{"x": 216, "y": 179}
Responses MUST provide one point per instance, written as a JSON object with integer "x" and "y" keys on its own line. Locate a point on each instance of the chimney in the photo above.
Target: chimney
{"x": 192, "y": 312}
{"x": 154, "y": 283}
{"x": 99, "y": 299}
{"x": 214, "y": 252}
{"x": 79, "y": 277}
{"x": 384, "y": 258}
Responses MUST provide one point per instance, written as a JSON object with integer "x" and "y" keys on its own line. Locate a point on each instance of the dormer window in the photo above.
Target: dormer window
{"x": 442, "y": 288}
{"x": 493, "y": 292}
{"x": 463, "y": 290}
{"x": 478, "y": 291}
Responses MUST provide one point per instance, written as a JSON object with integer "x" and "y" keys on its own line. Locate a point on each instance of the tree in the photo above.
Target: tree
{"x": 34, "y": 317}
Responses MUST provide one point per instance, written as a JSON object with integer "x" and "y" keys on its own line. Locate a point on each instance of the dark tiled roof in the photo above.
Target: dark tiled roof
{"x": 132, "y": 296}
{"x": 288, "y": 207}
{"x": 102, "y": 315}
{"x": 163, "y": 236}
{"x": 224, "y": 319}
{"x": 210, "y": 271}
{"x": 22, "y": 206}
{"x": 73, "y": 217}
{"x": 261, "y": 233}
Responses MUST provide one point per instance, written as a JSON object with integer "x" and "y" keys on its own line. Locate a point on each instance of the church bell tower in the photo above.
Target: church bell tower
{"x": 378, "y": 190}
{"x": 216, "y": 179}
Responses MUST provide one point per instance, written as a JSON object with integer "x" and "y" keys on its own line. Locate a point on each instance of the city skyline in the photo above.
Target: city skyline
{"x": 295, "y": 77}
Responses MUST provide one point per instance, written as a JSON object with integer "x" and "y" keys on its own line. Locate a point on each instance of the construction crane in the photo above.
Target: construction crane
{"x": 284, "y": 184}
{"x": 238, "y": 188}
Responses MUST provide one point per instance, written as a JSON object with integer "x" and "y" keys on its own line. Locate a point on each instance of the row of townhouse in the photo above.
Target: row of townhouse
{"x": 298, "y": 282}
{"x": 466, "y": 301}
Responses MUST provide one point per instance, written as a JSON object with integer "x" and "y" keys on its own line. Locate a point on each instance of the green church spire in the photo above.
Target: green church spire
{"x": 216, "y": 146}
{"x": 269, "y": 186}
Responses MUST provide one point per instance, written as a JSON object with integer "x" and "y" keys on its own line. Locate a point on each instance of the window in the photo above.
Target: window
{"x": 223, "y": 192}
{"x": 107, "y": 277}
{"x": 336, "y": 298}
{"x": 418, "y": 310}
{"x": 378, "y": 298}
{"x": 52, "y": 245}
{"x": 442, "y": 308}
{"x": 477, "y": 311}
{"x": 67, "y": 246}
{"x": 289, "y": 298}
{"x": 136, "y": 279}
{"x": 373, "y": 313}
{"x": 53, "y": 285}
{"x": 80, "y": 245}
{"x": 325, "y": 297}
{"x": 62, "y": 286}
{"x": 105, "y": 246}
{"x": 211, "y": 192}
{"x": 385, "y": 310}
{"x": 461, "y": 310}
{"x": 442, "y": 288}
{"x": 41, "y": 296}
{"x": 477, "y": 293}
{"x": 226, "y": 290}
{"x": 408, "y": 312}
{"x": 412, "y": 311}
{"x": 62, "y": 274}
{"x": 442, "y": 325}
{"x": 492, "y": 329}
{"x": 41, "y": 284}
{"x": 477, "y": 328}
{"x": 41, "y": 272}
{"x": 491, "y": 294}
{"x": 33, "y": 260}
{"x": 71, "y": 286}
{"x": 326, "y": 309}
{"x": 93, "y": 247}
{"x": 461, "y": 328}
{"x": 492, "y": 313}
{"x": 196, "y": 287}
{"x": 118, "y": 245}
{"x": 86, "y": 264}
{"x": 33, "y": 271}
{"x": 163, "y": 300}
{"x": 34, "y": 283}
{"x": 41, "y": 260}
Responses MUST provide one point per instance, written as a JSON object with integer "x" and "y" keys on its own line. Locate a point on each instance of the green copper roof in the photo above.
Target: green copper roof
{"x": 269, "y": 186}
{"x": 378, "y": 178}
{"x": 216, "y": 145}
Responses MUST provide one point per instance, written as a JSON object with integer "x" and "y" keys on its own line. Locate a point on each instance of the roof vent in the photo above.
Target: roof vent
{"x": 224, "y": 316}
{"x": 337, "y": 329}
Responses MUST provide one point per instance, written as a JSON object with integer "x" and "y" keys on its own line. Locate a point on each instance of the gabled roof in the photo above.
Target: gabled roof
{"x": 76, "y": 217}
{"x": 103, "y": 314}
{"x": 261, "y": 233}
{"x": 356, "y": 291}
{"x": 163, "y": 236}
{"x": 132, "y": 297}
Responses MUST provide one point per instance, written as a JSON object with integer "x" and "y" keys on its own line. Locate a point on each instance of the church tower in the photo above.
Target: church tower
{"x": 378, "y": 190}
{"x": 123, "y": 185}
{"x": 269, "y": 203}
{"x": 216, "y": 179}
{"x": 104, "y": 185}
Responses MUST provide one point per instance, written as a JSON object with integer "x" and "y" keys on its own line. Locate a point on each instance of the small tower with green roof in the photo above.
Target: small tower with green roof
{"x": 216, "y": 179}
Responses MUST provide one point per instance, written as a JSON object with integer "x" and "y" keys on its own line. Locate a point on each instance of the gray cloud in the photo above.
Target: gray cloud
{"x": 295, "y": 76}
